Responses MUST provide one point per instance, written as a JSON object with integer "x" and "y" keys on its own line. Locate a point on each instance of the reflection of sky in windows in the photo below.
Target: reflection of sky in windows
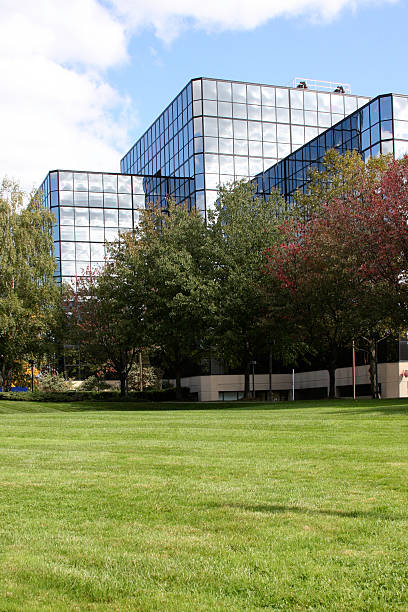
{"x": 89, "y": 218}
{"x": 370, "y": 131}
{"x": 258, "y": 112}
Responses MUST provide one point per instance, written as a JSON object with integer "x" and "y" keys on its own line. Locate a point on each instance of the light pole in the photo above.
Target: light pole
{"x": 354, "y": 370}
{"x": 253, "y": 364}
{"x": 270, "y": 374}
{"x": 31, "y": 362}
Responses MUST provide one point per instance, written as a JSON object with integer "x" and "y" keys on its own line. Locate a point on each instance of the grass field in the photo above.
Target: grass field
{"x": 246, "y": 507}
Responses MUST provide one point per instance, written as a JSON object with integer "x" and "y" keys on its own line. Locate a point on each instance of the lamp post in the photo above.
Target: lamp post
{"x": 253, "y": 364}
{"x": 31, "y": 362}
{"x": 354, "y": 370}
{"x": 270, "y": 374}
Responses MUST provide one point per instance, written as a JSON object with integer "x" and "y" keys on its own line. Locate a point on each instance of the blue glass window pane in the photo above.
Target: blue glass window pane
{"x": 81, "y": 198}
{"x": 81, "y": 181}
{"x": 81, "y": 216}
{"x": 138, "y": 184}
{"x": 374, "y": 112}
{"x": 268, "y": 96}
{"x": 110, "y": 183}
{"x": 125, "y": 219}
{"x": 110, "y": 200}
{"x": 210, "y": 90}
{"x": 253, "y": 94}
{"x": 67, "y": 216}
{"x": 111, "y": 218}
{"x": 400, "y": 104}
{"x": 125, "y": 200}
{"x": 81, "y": 232}
{"x": 282, "y": 97}
{"x": 54, "y": 181}
{"x": 375, "y": 134}
{"x": 97, "y": 252}
{"x": 54, "y": 198}
{"x": 385, "y": 108}
{"x": 124, "y": 184}
{"x": 401, "y": 130}
{"x": 239, "y": 92}
{"x": 224, "y": 91}
{"x": 96, "y": 217}
{"x": 96, "y": 199}
{"x": 66, "y": 180}
{"x": 387, "y": 147}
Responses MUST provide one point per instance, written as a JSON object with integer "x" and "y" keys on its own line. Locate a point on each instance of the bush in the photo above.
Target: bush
{"x": 167, "y": 395}
{"x": 93, "y": 383}
{"x": 53, "y": 382}
{"x": 151, "y": 377}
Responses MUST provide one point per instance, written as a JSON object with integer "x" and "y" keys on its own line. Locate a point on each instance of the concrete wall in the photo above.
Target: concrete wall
{"x": 392, "y": 377}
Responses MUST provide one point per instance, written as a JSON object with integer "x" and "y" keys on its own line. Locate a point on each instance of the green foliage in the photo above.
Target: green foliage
{"x": 51, "y": 382}
{"x": 107, "y": 316}
{"x": 151, "y": 377}
{"x": 64, "y": 396}
{"x": 93, "y": 383}
{"x": 29, "y": 296}
{"x": 242, "y": 228}
{"x": 171, "y": 258}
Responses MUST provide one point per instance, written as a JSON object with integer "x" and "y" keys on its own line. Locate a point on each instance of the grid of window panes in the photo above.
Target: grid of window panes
{"x": 239, "y": 129}
{"x": 248, "y": 127}
{"x": 381, "y": 126}
{"x": 166, "y": 148}
{"x": 92, "y": 208}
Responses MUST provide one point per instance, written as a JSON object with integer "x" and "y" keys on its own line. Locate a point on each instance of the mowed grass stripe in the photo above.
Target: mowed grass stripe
{"x": 289, "y": 507}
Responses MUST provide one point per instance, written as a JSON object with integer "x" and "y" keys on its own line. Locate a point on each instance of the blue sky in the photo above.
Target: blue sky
{"x": 82, "y": 80}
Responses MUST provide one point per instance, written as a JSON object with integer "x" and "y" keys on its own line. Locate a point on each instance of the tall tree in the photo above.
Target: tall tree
{"x": 108, "y": 316}
{"x": 242, "y": 227}
{"x": 29, "y": 296}
{"x": 173, "y": 254}
{"x": 324, "y": 261}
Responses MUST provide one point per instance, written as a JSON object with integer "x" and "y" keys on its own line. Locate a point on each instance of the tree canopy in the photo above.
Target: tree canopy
{"x": 29, "y": 296}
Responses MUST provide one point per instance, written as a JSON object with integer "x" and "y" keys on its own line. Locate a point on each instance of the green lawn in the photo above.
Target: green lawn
{"x": 246, "y": 507}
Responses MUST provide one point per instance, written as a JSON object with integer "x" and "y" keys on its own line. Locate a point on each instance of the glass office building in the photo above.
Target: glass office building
{"x": 92, "y": 208}
{"x": 213, "y": 132}
{"x": 218, "y": 131}
{"x": 381, "y": 126}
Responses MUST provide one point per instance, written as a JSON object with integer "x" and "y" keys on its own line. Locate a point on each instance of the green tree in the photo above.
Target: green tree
{"x": 29, "y": 295}
{"x": 321, "y": 260}
{"x": 242, "y": 227}
{"x": 108, "y": 316}
{"x": 173, "y": 254}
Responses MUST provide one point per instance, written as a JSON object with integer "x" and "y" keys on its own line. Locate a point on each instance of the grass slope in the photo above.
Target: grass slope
{"x": 290, "y": 507}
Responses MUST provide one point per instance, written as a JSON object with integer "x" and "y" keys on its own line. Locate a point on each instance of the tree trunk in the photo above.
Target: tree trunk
{"x": 372, "y": 367}
{"x": 332, "y": 373}
{"x": 332, "y": 378}
{"x": 179, "y": 394}
{"x": 122, "y": 378}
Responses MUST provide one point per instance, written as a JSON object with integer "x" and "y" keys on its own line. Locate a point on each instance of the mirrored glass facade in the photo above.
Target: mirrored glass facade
{"x": 92, "y": 208}
{"x": 381, "y": 126}
{"x": 219, "y": 131}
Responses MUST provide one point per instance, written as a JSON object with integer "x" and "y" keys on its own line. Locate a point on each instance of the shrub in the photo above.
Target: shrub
{"x": 93, "y": 383}
{"x": 165, "y": 395}
{"x": 53, "y": 382}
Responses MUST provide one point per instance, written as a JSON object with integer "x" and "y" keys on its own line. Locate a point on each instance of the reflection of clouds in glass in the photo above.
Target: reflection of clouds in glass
{"x": 400, "y": 107}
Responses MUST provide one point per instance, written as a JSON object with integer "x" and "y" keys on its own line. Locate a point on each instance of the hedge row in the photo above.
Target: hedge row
{"x": 165, "y": 395}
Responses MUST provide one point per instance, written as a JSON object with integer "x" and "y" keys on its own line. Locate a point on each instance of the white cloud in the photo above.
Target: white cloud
{"x": 57, "y": 108}
{"x": 169, "y": 18}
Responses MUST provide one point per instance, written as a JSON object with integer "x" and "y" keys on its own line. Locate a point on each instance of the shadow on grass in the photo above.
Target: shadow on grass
{"x": 329, "y": 407}
{"x": 282, "y": 509}
{"x": 375, "y": 408}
